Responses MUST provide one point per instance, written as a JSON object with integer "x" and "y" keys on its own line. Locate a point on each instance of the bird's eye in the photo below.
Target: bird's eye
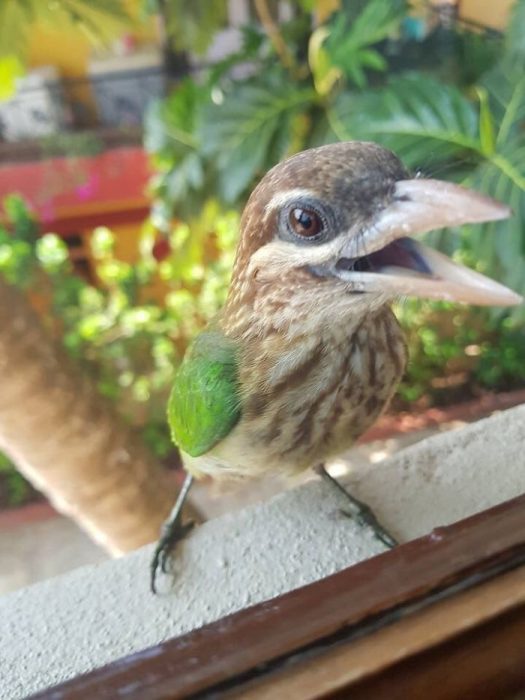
{"x": 305, "y": 222}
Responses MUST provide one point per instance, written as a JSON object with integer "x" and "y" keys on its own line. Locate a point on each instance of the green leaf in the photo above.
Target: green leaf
{"x": 351, "y": 37}
{"x": 505, "y": 85}
{"x": 239, "y": 133}
{"x": 102, "y": 243}
{"x": 515, "y": 36}
{"x": 486, "y": 123}
{"x": 372, "y": 59}
{"x": 500, "y": 247}
{"x": 22, "y": 221}
{"x": 423, "y": 121}
{"x": 324, "y": 73}
{"x": 171, "y": 136}
{"x": 52, "y": 253}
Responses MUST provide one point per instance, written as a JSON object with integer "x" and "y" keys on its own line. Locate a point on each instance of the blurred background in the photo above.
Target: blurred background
{"x": 131, "y": 133}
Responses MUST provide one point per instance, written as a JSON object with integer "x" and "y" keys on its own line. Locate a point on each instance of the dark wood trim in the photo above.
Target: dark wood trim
{"x": 349, "y": 604}
{"x": 486, "y": 663}
{"x": 75, "y": 223}
{"x": 349, "y": 665}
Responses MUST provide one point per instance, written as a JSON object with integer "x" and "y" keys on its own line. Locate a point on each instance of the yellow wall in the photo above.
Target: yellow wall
{"x": 492, "y": 13}
{"x": 69, "y": 50}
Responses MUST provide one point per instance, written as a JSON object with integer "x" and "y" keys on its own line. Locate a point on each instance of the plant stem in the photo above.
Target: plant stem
{"x": 274, "y": 34}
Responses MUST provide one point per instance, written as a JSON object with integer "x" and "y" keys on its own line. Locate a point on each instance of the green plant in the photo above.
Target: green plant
{"x": 458, "y": 352}
{"x": 14, "y": 489}
{"x": 351, "y": 40}
{"x": 130, "y": 331}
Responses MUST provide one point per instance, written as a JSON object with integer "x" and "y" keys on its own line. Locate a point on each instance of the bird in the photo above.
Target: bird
{"x": 307, "y": 353}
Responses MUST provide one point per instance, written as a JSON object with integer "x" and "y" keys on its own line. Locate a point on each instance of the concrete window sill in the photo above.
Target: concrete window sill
{"x": 60, "y": 628}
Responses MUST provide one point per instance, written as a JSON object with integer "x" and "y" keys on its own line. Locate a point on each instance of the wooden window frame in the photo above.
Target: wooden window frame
{"x": 441, "y": 616}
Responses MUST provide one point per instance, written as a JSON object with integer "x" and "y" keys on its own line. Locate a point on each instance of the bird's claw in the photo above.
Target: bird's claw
{"x": 172, "y": 533}
{"x": 365, "y": 517}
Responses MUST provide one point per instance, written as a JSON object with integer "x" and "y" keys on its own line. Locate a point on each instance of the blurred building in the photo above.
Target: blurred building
{"x": 71, "y": 135}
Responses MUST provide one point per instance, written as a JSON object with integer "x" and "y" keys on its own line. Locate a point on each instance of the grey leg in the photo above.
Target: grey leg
{"x": 362, "y": 513}
{"x": 172, "y": 532}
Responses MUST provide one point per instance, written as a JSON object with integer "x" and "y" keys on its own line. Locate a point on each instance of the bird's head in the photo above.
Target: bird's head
{"x": 343, "y": 216}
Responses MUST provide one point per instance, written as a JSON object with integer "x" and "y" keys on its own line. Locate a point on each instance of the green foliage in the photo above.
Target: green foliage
{"x": 221, "y": 136}
{"x": 422, "y": 120}
{"x": 515, "y": 37}
{"x": 351, "y": 39}
{"x": 251, "y": 129}
{"x": 16, "y": 244}
{"x": 183, "y": 178}
{"x": 130, "y": 331}
{"x": 14, "y": 489}
{"x": 457, "y": 352}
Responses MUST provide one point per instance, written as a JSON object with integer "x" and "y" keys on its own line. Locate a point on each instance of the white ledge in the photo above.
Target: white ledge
{"x": 57, "y": 629}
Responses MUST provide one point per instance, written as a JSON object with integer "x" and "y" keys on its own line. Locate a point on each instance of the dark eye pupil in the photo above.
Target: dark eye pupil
{"x": 302, "y": 218}
{"x": 305, "y": 222}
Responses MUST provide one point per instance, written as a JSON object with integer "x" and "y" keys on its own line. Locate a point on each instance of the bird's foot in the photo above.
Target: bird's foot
{"x": 366, "y": 517}
{"x": 172, "y": 533}
{"x": 359, "y": 511}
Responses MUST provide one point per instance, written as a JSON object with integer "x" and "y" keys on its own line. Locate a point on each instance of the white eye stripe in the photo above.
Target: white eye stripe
{"x": 279, "y": 200}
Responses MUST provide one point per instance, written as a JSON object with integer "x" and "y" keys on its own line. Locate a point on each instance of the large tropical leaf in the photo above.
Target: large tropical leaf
{"x": 505, "y": 85}
{"x": 423, "y": 121}
{"x": 500, "y": 247}
{"x": 101, "y": 20}
{"x": 351, "y": 38}
{"x": 184, "y": 174}
{"x": 252, "y": 129}
{"x": 515, "y": 34}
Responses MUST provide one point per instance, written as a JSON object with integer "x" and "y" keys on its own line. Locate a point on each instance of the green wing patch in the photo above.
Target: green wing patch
{"x": 204, "y": 403}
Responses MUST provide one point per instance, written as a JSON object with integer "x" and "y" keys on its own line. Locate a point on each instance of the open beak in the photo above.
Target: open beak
{"x": 385, "y": 259}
